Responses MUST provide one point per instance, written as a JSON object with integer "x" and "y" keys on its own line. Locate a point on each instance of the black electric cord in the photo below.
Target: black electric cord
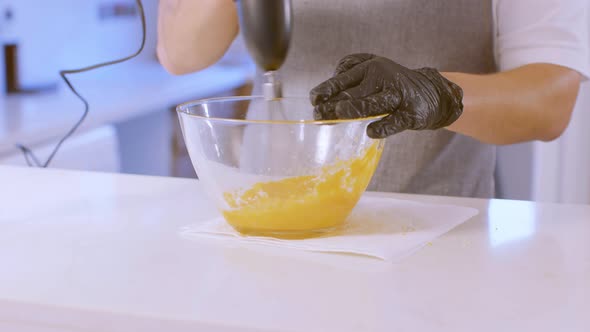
{"x": 30, "y": 157}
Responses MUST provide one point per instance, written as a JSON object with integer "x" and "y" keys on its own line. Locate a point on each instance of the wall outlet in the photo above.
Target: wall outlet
{"x": 117, "y": 9}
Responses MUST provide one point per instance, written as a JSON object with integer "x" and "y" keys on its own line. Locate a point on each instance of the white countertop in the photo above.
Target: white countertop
{"x": 115, "y": 94}
{"x": 102, "y": 252}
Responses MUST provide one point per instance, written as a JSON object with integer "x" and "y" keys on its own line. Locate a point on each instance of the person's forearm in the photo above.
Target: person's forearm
{"x": 194, "y": 34}
{"x": 533, "y": 102}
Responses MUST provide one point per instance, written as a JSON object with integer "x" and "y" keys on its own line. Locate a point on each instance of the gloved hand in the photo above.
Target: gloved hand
{"x": 367, "y": 85}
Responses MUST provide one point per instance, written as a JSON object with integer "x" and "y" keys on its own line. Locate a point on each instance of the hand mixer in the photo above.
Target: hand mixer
{"x": 266, "y": 26}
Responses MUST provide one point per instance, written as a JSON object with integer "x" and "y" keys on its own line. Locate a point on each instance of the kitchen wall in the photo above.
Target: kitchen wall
{"x": 3, "y": 34}
{"x": 59, "y": 34}
{"x": 2, "y": 72}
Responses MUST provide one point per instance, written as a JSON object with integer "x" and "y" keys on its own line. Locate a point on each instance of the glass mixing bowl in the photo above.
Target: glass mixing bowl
{"x": 272, "y": 170}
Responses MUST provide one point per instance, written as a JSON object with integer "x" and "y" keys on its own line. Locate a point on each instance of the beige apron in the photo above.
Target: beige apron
{"x": 450, "y": 35}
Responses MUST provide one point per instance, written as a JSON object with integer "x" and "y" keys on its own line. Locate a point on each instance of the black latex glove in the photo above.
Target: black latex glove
{"x": 367, "y": 85}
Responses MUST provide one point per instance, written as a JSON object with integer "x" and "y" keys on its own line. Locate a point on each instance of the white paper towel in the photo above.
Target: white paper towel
{"x": 383, "y": 228}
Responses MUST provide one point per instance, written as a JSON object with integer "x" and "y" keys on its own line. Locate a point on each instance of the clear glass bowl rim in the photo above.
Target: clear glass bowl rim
{"x": 185, "y": 109}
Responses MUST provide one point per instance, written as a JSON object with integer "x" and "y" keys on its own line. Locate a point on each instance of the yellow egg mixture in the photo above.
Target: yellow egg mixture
{"x": 303, "y": 204}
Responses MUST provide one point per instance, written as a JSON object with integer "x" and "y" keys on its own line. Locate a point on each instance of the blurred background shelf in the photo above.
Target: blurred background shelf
{"x": 131, "y": 127}
{"x": 137, "y": 102}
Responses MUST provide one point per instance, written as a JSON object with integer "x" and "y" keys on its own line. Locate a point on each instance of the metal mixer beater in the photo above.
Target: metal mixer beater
{"x": 267, "y": 26}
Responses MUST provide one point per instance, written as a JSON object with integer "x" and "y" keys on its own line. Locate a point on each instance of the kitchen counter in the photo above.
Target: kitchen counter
{"x": 101, "y": 252}
{"x": 115, "y": 94}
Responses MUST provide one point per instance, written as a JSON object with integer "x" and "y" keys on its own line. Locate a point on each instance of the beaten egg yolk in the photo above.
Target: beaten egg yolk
{"x": 304, "y": 205}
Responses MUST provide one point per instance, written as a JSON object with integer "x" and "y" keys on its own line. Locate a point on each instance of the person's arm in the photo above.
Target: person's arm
{"x": 533, "y": 102}
{"x": 194, "y": 34}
